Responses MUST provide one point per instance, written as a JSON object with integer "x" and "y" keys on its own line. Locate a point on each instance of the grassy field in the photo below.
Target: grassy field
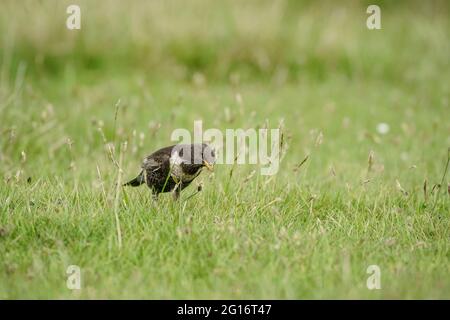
{"x": 75, "y": 105}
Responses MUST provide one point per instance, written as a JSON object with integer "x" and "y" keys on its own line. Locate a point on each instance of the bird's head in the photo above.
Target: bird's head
{"x": 197, "y": 155}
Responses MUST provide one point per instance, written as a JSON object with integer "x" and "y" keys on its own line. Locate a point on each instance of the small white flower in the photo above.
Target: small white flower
{"x": 382, "y": 128}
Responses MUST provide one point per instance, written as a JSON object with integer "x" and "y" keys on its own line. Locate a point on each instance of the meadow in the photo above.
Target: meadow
{"x": 363, "y": 178}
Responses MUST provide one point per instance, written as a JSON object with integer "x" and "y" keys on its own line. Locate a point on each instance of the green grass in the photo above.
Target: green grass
{"x": 307, "y": 232}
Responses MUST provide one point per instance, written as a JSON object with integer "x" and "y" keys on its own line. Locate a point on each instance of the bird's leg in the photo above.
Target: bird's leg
{"x": 154, "y": 194}
{"x": 176, "y": 191}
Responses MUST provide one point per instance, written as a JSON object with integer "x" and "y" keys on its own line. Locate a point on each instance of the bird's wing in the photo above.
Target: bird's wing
{"x": 150, "y": 164}
{"x": 154, "y": 163}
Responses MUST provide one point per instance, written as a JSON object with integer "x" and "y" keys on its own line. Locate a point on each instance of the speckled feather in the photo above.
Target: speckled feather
{"x": 167, "y": 169}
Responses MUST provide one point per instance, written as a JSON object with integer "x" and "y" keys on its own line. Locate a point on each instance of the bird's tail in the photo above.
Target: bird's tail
{"x": 136, "y": 182}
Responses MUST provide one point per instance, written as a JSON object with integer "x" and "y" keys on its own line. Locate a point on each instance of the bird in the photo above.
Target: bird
{"x": 173, "y": 168}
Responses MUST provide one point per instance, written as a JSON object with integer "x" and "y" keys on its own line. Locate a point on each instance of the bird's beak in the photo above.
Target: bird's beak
{"x": 208, "y": 165}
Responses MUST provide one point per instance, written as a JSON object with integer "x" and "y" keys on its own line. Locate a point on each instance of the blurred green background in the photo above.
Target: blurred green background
{"x": 232, "y": 64}
{"x": 264, "y": 40}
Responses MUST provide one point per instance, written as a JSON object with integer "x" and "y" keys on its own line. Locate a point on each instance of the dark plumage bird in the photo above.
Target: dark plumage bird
{"x": 171, "y": 169}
